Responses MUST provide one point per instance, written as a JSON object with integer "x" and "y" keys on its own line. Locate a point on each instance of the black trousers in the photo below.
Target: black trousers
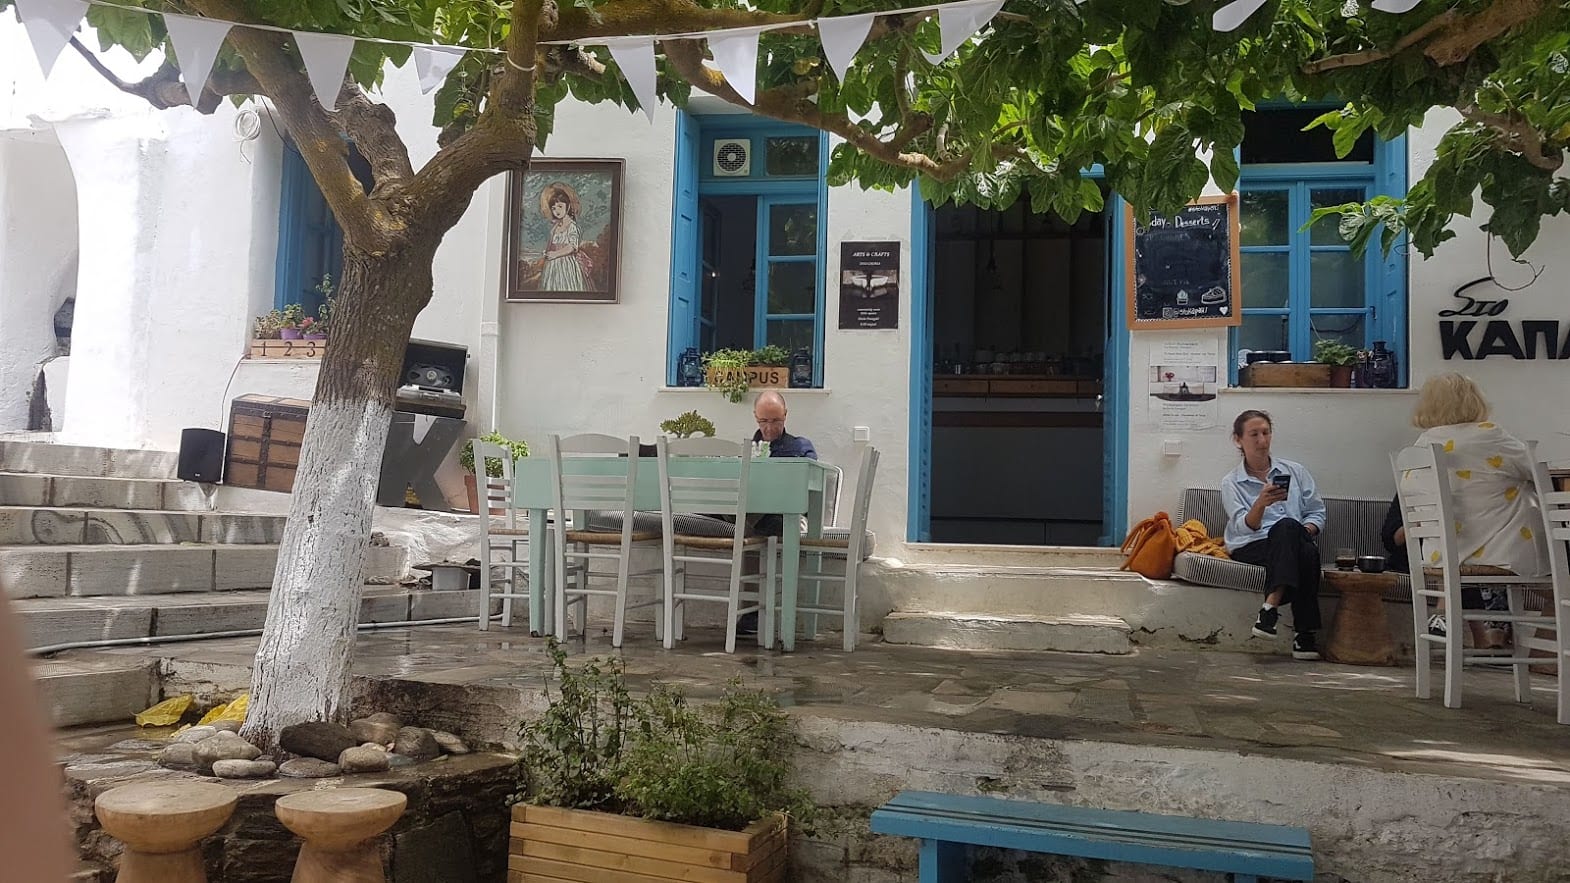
{"x": 1291, "y": 561}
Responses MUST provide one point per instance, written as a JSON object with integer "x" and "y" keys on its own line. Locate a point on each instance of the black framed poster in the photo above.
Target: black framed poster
{"x": 869, "y": 285}
{"x": 1183, "y": 269}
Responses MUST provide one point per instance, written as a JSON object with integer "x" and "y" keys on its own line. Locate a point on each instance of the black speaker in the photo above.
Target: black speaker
{"x": 201, "y": 455}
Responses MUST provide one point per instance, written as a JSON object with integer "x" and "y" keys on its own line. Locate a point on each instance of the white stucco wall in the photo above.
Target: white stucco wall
{"x": 38, "y": 239}
{"x": 569, "y": 368}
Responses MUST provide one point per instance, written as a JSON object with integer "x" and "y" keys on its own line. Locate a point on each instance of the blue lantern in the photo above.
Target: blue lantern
{"x": 689, "y": 368}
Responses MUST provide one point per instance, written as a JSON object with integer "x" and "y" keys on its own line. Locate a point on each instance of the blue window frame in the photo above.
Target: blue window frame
{"x": 776, "y": 171}
{"x": 310, "y": 243}
{"x": 1301, "y": 285}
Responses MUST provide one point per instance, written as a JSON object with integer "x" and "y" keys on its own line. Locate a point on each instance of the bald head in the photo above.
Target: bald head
{"x": 769, "y": 411}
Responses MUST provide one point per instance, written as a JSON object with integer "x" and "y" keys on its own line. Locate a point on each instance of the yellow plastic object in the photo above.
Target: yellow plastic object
{"x": 234, "y": 711}
{"x": 164, "y": 713}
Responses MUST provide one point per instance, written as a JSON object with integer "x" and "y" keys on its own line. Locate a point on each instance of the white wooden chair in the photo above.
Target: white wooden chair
{"x": 504, "y": 561}
{"x": 717, "y": 496}
{"x": 1427, "y": 512}
{"x": 848, "y": 549}
{"x": 576, "y": 492}
{"x": 1556, "y": 523}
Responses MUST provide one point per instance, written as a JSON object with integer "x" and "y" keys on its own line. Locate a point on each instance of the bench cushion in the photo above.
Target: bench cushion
{"x": 1349, "y": 524}
{"x": 1144, "y": 838}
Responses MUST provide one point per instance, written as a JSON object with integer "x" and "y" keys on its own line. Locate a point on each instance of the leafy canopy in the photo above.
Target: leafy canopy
{"x": 1141, "y": 89}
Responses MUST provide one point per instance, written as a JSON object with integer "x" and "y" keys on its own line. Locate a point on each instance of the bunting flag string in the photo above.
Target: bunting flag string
{"x": 196, "y": 40}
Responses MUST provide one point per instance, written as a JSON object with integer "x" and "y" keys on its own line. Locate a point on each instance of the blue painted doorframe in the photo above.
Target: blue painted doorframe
{"x": 1115, "y": 381}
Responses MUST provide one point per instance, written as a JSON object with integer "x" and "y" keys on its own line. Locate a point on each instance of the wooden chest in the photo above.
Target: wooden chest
{"x": 265, "y": 433}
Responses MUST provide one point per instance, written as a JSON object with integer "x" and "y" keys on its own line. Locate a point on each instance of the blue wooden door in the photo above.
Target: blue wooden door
{"x": 685, "y": 291}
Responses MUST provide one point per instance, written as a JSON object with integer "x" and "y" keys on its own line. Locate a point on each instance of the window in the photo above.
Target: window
{"x": 1301, "y": 285}
{"x": 310, "y": 245}
{"x": 748, "y": 241}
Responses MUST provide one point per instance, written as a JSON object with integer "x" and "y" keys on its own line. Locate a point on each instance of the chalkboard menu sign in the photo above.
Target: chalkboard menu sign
{"x": 1183, "y": 268}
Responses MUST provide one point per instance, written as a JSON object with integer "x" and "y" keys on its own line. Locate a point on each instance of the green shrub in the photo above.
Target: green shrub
{"x": 688, "y": 425}
{"x": 723, "y": 765}
{"x": 493, "y": 466}
{"x": 1333, "y": 352}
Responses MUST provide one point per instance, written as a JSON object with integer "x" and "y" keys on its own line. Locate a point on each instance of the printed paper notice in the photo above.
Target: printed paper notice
{"x": 1183, "y": 382}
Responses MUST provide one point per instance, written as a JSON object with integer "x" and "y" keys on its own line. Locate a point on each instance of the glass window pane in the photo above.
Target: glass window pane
{"x": 1266, "y": 279}
{"x": 1263, "y": 333}
{"x": 1335, "y": 280}
{"x": 793, "y": 229}
{"x": 1326, "y": 232}
{"x": 1343, "y": 329}
{"x": 792, "y": 334}
{"x": 791, "y": 156}
{"x": 793, "y": 287}
{"x": 1263, "y": 218}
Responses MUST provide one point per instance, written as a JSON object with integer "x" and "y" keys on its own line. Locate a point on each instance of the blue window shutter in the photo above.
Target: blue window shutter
{"x": 310, "y": 243}
{"x": 685, "y": 289}
{"x": 290, "y": 217}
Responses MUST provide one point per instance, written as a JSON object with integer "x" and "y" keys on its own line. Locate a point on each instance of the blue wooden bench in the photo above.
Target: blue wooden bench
{"x": 946, "y": 824}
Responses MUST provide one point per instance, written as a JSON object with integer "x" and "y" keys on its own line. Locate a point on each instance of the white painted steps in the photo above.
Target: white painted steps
{"x": 96, "y": 688}
{"x": 105, "y": 492}
{"x": 50, "y": 621}
{"x": 982, "y": 631}
{"x": 56, "y": 459}
{"x": 55, "y": 525}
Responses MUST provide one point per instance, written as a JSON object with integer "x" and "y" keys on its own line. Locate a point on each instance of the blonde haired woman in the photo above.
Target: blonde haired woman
{"x": 1490, "y": 471}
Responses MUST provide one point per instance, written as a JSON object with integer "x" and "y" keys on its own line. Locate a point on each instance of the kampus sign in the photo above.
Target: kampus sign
{"x": 1473, "y": 330}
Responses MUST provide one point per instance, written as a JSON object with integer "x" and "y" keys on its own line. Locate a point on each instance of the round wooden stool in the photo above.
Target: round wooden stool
{"x": 1360, "y": 634}
{"x": 339, "y": 827}
{"x": 161, "y": 824}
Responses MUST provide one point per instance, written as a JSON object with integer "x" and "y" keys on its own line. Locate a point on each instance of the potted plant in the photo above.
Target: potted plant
{"x": 688, "y": 425}
{"x": 493, "y": 466}
{"x": 1341, "y": 358}
{"x": 653, "y": 784}
{"x": 732, "y": 372}
{"x": 316, "y": 329}
{"x": 268, "y": 325}
{"x": 289, "y": 327}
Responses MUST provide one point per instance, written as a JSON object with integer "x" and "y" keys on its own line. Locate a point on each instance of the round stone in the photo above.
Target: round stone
{"x": 195, "y": 734}
{"x": 379, "y": 731}
{"x": 244, "y": 769}
{"x": 178, "y": 756}
{"x": 224, "y": 746}
{"x": 363, "y": 760}
{"x": 450, "y": 743}
{"x": 309, "y": 768}
{"x": 418, "y": 743}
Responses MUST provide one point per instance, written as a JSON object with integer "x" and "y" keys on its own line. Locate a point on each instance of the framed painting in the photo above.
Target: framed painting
{"x": 564, "y": 231}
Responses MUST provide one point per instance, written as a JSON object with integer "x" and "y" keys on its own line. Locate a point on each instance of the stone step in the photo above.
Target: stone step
{"x": 93, "y": 570}
{"x": 982, "y": 631}
{"x": 52, "y": 621}
{"x": 1046, "y": 557}
{"x": 54, "y": 459}
{"x": 47, "y": 489}
{"x": 96, "y": 688}
{"x": 54, "y": 525}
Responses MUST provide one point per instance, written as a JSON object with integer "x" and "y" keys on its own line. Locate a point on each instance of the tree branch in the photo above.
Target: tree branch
{"x": 1369, "y": 56}
{"x": 162, "y": 89}
{"x": 373, "y": 129}
{"x": 686, "y": 58}
{"x": 502, "y": 139}
{"x": 1519, "y": 135}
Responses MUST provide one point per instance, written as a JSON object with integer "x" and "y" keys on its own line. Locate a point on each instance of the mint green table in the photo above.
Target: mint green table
{"x": 787, "y": 486}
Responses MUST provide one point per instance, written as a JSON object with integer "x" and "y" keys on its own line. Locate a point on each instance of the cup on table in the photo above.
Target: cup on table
{"x": 1346, "y": 559}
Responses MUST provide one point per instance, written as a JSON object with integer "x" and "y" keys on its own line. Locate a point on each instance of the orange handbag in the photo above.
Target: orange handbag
{"x": 1151, "y": 547}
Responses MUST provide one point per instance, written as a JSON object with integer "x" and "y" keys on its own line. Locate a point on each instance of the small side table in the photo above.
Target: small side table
{"x": 1360, "y": 634}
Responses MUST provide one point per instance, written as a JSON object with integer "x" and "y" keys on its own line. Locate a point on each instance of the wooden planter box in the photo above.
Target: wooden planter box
{"x": 1285, "y": 374}
{"x": 551, "y": 845}
{"x": 288, "y": 349}
{"x": 757, "y": 376}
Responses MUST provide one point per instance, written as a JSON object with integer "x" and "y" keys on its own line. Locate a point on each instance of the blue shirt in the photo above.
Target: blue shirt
{"x": 1239, "y": 490}
{"x": 788, "y": 445}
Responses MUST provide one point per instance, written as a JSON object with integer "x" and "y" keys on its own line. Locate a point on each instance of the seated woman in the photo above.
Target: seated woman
{"x": 1274, "y": 516}
{"x": 1490, "y": 472}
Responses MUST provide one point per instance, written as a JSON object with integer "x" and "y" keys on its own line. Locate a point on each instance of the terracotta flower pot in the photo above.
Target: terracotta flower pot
{"x": 1341, "y": 376}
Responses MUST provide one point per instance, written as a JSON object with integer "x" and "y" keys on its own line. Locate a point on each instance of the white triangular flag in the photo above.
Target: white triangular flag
{"x": 959, "y": 22}
{"x": 1394, "y": 6}
{"x": 326, "y": 58}
{"x": 196, "y": 42}
{"x": 49, "y": 25}
{"x": 635, "y": 57}
{"x": 736, "y": 55}
{"x": 1231, "y": 16}
{"x": 842, "y": 36}
{"x": 433, "y": 65}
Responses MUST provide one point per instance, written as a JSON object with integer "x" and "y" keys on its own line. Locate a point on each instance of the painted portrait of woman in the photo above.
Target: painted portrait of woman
{"x": 564, "y": 223}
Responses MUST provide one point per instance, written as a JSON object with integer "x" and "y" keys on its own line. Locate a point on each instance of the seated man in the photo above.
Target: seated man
{"x": 769, "y": 412}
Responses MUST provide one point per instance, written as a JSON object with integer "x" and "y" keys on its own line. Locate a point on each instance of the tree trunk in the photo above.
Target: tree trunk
{"x": 302, "y": 665}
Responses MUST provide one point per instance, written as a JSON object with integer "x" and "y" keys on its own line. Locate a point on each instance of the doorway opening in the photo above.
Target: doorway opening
{"x": 1020, "y": 324}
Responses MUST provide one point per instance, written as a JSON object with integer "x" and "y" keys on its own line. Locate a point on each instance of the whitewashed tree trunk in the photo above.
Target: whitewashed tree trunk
{"x": 302, "y": 666}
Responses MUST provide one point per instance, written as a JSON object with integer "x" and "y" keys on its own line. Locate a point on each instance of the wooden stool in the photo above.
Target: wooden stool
{"x": 1360, "y": 634}
{"x": 161, "y": 824}
{"x": 338, "y": 828}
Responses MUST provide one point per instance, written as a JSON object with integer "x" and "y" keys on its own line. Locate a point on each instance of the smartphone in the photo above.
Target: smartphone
{"x": 1282, "y": 481}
